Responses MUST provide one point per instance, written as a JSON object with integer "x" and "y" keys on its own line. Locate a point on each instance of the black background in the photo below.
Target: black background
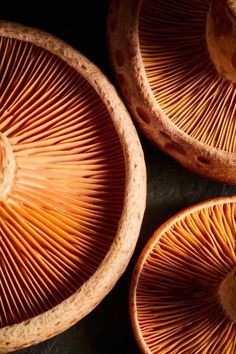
{"x": 107, "y": 329}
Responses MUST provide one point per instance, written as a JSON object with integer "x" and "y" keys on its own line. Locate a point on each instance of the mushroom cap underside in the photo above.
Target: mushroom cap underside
{"x": 76, "y": 170}
{"x": 160, "y": 57}
{"x": 175, "y": 305}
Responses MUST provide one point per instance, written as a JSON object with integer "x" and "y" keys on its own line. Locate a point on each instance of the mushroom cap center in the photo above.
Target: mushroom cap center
{"x": 7, "y": 167}
{"x": 232, "y": 6}
{"x": 227, "y": 294}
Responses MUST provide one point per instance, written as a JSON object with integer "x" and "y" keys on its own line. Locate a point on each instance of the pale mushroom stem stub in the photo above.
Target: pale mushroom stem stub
{"x": 228, "y": 295}
{"x": 7, "y": 167}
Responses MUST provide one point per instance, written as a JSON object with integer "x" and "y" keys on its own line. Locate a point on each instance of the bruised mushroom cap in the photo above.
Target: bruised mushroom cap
{"x": 183, "y": 291}
{"x": 159, "y": 52}
{"x": 72, "y": 186}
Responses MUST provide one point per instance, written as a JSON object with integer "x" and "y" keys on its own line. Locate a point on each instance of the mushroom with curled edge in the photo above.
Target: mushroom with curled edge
{"x": 72, "y": 186}
{"x": 183, "y": 291}
{"x": 175, "y": 63}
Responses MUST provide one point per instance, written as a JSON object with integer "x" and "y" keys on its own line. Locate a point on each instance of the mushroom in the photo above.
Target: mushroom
{"x": 183, "y": 291}
{"x": 175, "y": 63}
{"x": 72, "y": 186}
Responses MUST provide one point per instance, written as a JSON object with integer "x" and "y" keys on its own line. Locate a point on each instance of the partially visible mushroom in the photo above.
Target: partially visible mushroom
{"x": 183, "y": 291}
{"x": 175, "y": 62}
{"x": 72, "y": 186}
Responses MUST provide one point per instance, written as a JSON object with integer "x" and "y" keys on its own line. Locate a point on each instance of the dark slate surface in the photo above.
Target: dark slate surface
{"x": 170, "y": 187}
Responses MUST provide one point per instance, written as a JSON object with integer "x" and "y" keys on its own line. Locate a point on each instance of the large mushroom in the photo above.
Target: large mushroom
{"x": 72, "y": 186}
{"x": 183, "y": 291}
{"x": 175, "y": 62}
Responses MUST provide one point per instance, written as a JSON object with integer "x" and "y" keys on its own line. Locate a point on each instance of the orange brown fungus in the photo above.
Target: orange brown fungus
{"x": 178, "y": 283}
{"x": 181, "y": 73}
{"x": 60, "y": 216}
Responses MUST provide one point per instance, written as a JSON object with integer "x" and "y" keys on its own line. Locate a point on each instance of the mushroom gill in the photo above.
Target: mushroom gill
{"x": 183, "y": 288}
{"x": 62, "y": 180}
{"x": 181, "y": 73}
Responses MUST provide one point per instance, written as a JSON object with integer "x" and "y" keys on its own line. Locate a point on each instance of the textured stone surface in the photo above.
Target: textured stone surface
{"x": 170, "y": 187}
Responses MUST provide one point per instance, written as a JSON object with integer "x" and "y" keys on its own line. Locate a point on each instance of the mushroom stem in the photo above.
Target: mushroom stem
{"x": 7, "y": 167}
{"x": 227, "y": 294}
{"x": 221, "y": 37}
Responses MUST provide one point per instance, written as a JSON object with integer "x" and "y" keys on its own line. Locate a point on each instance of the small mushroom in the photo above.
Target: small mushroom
{"x": 72, "y": 186}
{"x": 175, "y": 63}
{"x": 183, "y": 291}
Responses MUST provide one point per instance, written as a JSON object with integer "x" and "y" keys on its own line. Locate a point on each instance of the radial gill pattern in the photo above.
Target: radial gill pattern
{"x": 178, "y": 309}
{"x": 180, "y": 72}
{"x": 61, "y": 212}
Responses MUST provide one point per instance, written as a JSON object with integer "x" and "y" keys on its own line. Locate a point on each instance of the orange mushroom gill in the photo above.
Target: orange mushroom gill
{"x": 62, "y": 180}
{"x": 180, "y": 72}
{"x": 183, "y": 297}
